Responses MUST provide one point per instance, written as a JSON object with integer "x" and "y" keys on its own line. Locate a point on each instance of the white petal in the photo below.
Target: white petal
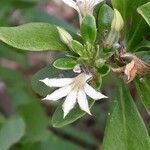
{"x": 57, "y": 82}
{"x": 88, "y": 76}
{"x": 97, "y": 2}
{"x": 71, "y": 3}
{"x": 58, "y": 94}
{"x": 82, "y": 101}
{"x": 69, "y": 103}
{"x": 91, "y": 92}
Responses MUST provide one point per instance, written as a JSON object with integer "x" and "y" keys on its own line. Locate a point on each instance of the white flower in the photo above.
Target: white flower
{"x": 75, "y": 91}
{"x": 83, "y": 7}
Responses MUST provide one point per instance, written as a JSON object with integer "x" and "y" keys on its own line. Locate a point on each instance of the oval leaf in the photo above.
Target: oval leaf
{"x": 58, "y": 120}
{"x": 135, "y": 27}
{"x": 144, "y": 45}
{"x": 143, "y": 88}
{"x": 11, "y": 132}
{"x": 36, "y": 128}
{"x": 144, "y": 55}
{"x": 78, "y": 47}
{"x": 105, "y": 17}
{"x": 125, "y": 128}
{"x": 32, "y": 36}
{"x": 88, "y": 29}
{"x": 144, "y": 10}
{"x": 64, "y": 63}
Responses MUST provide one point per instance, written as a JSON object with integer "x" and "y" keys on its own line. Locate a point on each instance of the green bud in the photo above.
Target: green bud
{"x": 65, "y": 37}
{"x": 116, "y": 27}
{"x": 77, "y": 47}
{"x": 117, "y": 22}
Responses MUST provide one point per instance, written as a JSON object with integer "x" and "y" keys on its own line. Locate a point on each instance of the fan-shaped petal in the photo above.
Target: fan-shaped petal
{"x": 91, "y": 92}
{"x": 57, "y": 82}
{"x": 58, "y": 94}
{"x": 82, "y": 101}
{"x": 69, "y": 103}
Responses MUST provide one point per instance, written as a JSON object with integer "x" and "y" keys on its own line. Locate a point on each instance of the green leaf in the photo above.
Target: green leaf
{"x": 145, "y": 44}
{"x": 78, "y": 47}
{"x": 11, "y": 132}
{"x": 17, "y": 91}
{"x": 24, "y": 101}
{"x": 127, "y": 7}
{"x": 58, "y": 121}
{"x": 144, "y": 10}
{"x": 88, "y": 29}
{"x": 136, "y": 33}
{"x": 64, "y": 63}
{"x": 56, "y": 143}
{"x": 12, "y": 54}
{"x": 53, "y": 142}
{"x": 144, "y": 55}
{"x": 12, "y": 77}
{"x": 143, "y": 87}
{"x": 36, "y": 126}
{"x": 81, "y": 135}
{"x": 23, "y": 4}
{"x": 37, "y": 15}
{"x": 135, "y": 27}
{"x": 105, "y": 17}
{"x": 125, "y": 128}
{"x": 2, "y": 120}
{"x": 33, "y": 37}
{"x": 47, "y": 72}
{"x": 104, "y": 70}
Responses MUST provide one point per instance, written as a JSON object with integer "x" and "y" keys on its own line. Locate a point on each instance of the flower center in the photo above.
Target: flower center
{"x": 80, "y": 81}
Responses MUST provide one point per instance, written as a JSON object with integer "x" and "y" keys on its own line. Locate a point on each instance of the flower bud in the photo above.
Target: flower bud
{"x": 86, "y": 7}
{"x": 83, "y": 7}
{"x": 65, "y": 37}
{"x": 117, "y": 22}
{"x": 116, "y": 27}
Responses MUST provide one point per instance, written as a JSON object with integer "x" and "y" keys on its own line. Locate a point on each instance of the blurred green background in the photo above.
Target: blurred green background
{"x": 25, "y": 121}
